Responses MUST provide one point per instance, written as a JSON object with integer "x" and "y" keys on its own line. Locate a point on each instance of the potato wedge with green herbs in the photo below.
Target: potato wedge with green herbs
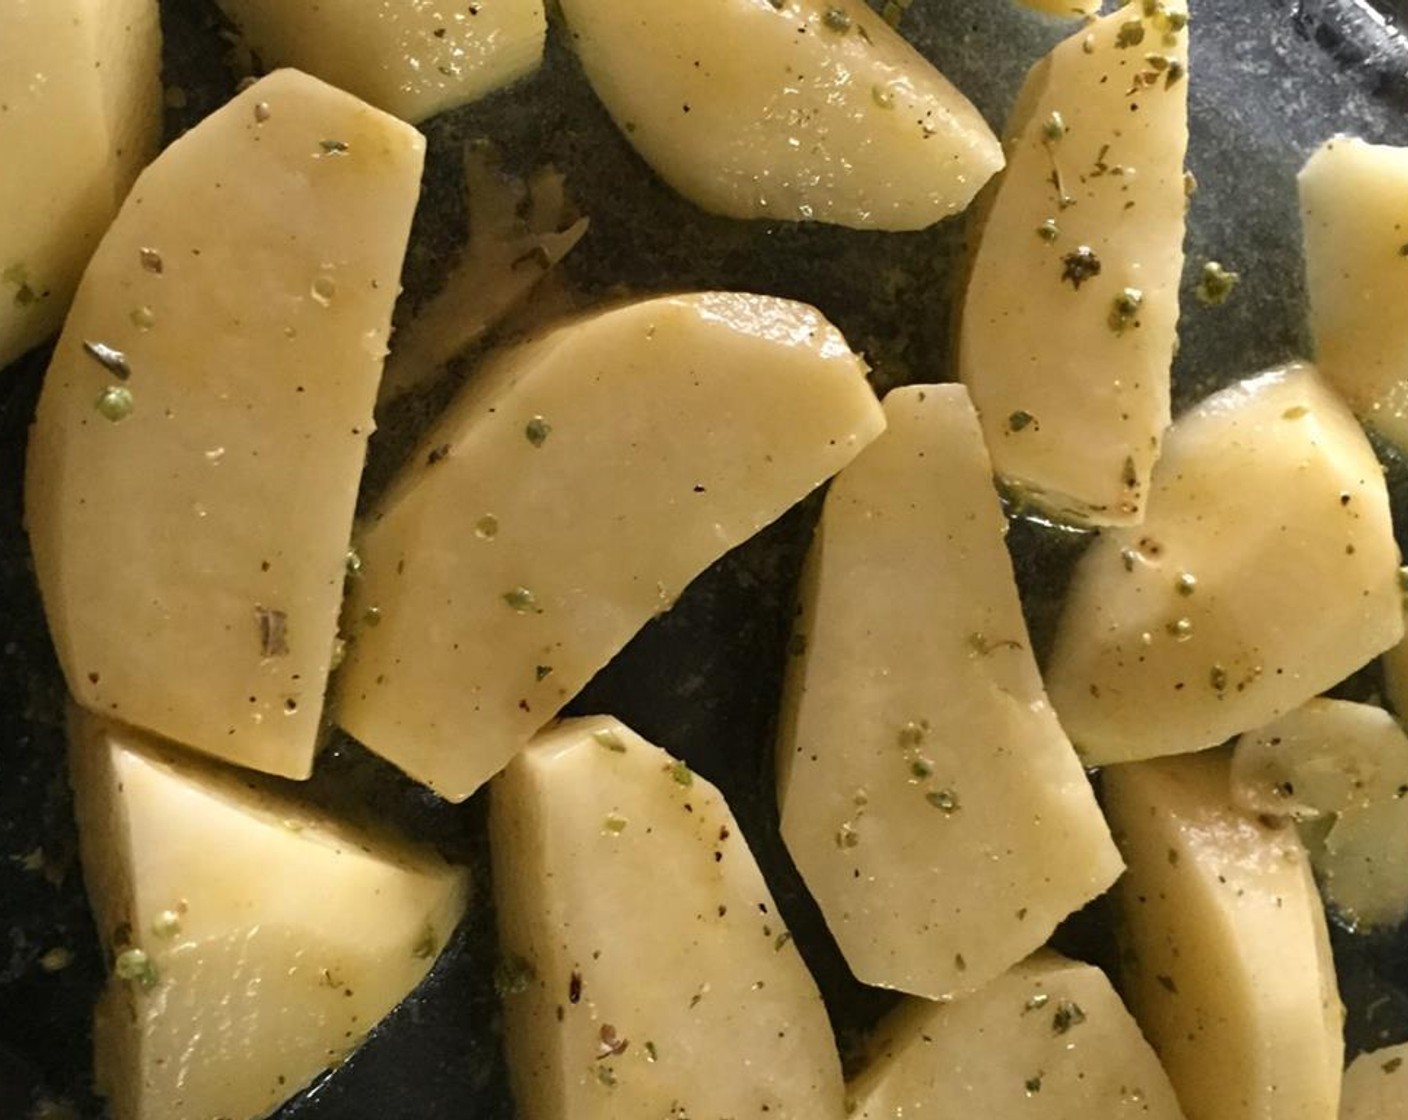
{"x": 569, "y": 494}
{"x": 653, "y": 977}
{"x": 1354, "y": 210}
{"x": 408, "y": 57}
{"x": 254, "y": 941}
{"x": 198, "y": 446}
{"x": 929, "y": 798}
{"x": 1376, "y": 1086}
{"x": 1068, "y": 326}
{"x": 1227, "y": 958}
{"x": 1047, "y": 1040}
{"x": 1265, "y": 572}
{"x": 794, "y": 110}
{"x": 80, "y": 87}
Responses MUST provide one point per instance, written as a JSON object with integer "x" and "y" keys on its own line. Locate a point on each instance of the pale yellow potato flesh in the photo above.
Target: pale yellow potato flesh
{"x": 1228, "y": 966}
{"x": 1265, "y": 572}
{"x": 803, "y": 110}
{"x": 929, "y": 798}
{"x": 649, "y": 972}
{"x": 567, "y": 497}
{"x": 412, "y": 58}
{"x": 80, "y": 82}
{"x": 274, "y": 937}
{"x": 1376, "y": 1086}
{"x": 1354, "y": 212}
{"x": 1072, "y": 391}
{"x": 1047, "y": 1040}
{"x": 191, "y": 556}
{"x": 1068, "y": 8}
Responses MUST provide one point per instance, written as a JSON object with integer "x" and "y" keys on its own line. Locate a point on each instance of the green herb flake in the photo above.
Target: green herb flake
{"x": 521, "y": 600}
{"x": 542, "y": 672}
{"x": 487, "y": 527}
{"x": 912, "y": 733}
{"x": 1124, "y": 310}
{"x": 115, "y": 404}
{"x": 614, "y": 824}
{"x": 18, "y": 275}
{"x": 1068, "y": 1014}
{"x": 1186, "y": 583}
{"x": 607, "y": 1076}
{"x": 537, "y": 431}
{"x": 1393, "y": 1065}
{"x": 836, "y": 19}
{"x": 135, "y": 967}
{"x": 651, "y": 1054}
{"x": 334, "y": 147}
{"x": 1033, "y": 1085}
{"x": 1181, "y": 628}
{"x": 151, "y": 261}
{"x": 166, "y": 924}
{"x": 1019, "y": 420}
{"x": 847, "y": 836}
{"x": 883, "y": 96}
{"x": 1080, "y": 265}
{"x": 513, "y": 975}
{"x": 1053, "y": 129}
{"x": 781, "y": 941}
{"x": 1217, "y": 677}
{"x": 921, "y": 768}
{"x": 372, "y": 616}
{"x": 1216, "y": 284}
{"x": 353, "y": 563}
{"x": 1131, "y": 34}
{"x": 608, "y": 738}
{"x": 945, "y": 800}
{"x": 1048, "y": 231}
{"x": 681, "y": 773}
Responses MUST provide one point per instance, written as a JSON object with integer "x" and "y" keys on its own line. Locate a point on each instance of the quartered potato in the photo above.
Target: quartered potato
{"x": 411, "y": 58}
{"x": 80, "y": 83}
{"x": 794, "y": 110}
{"x": 647, "y": 972}
{"x": 1354, "y": 209}
{"x": 1376, "y": 1086}
{"x": 1227, "y": 957}
{"x": 1265, "y": 572}
{"x": 574, "y": 488}
{"x": 1048, "y": 1040}
{"x": 198, "y": 446}
{"x": 253, "y": 940}
{"x": 1068, "y": 327}
{"x": 929, "y": 798}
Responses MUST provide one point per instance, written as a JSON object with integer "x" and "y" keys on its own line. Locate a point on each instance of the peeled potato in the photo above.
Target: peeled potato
{"x": 1228, "y": 966}
{"x": 254, "y": 940}
{"x": 929, "y": 798}
{"x": 1376, "y": 1086}
{"x": 1265, "y": 572}
{"x": 1354, "y": 209}
{"x": 1068, "y": 8}
{"x": 198, "y": 446}
{"x": 574, "y": 488}
{"x": 80, "y": 82}
{"x": 798, "y": 110}
{"x": 411, "y": 58}
{"x": 1068, "y": 326}
{"x": 649, "y": 972}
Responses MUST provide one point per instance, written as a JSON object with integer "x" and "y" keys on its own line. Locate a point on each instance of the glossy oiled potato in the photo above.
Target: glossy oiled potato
{"x": 198, "y": 446}
{"x": 791, "y": 110}
{"x": 929, "y": 797}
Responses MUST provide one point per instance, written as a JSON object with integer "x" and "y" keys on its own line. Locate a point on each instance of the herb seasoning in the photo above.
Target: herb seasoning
{"x": 1080, "y": 265}
{"x": 1216, "y": 284}
{"x": 115, "y": 403}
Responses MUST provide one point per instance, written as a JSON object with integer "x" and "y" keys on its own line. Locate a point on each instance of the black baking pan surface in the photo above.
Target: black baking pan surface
{"x": 1271, "y": 79}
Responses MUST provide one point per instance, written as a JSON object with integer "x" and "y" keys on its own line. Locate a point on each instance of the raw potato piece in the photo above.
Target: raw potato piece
{"x": 1229, "y": 969}
{"x": 1376, "y": 1086}
{"x": 413, "y": 58}
{"x": 568, "y": 496}
{"x": 255, "y": 940}
{"x": 1265, "y": 573}
{"x": 191, "y": 553}
{"x": 1049, "y": 1040}
{"x": 1068, "y": 327}
{"x": 626, "y": 999}
{"x": 1354, "y": 208}
{"x": 929, "y": 798}
{"x": 795, "y": 110}
{"x": 80, "y": 85}
{"x": 1068, "y": 8}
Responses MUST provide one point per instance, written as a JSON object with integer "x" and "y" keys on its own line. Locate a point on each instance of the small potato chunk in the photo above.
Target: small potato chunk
{"x": 195, "y": 459}
{"x": 929, "y": 798}
{"x": 1354, "y": 208}
{"x": 409, "y": 57}
{"x": 1068, "y": 328}
{"x": 794, "y": 110}
{"x": 647, "y": 969}
{"x": 1048, "y": 1040}
{"x": 80, "y": 82}
{"x": 1229, "y": 970}
{"x": 254, "y": 940}
{"x": 1265, "y": 573}
{"x": 1376, "y": 1086}
{"x": 571, "y": 492}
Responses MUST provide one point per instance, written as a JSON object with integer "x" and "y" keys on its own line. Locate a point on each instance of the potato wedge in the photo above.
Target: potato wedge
{"x": 80, "y": 82}
{"x": 1228, "y": 966}
{"x": 254, "y": 941}
{"x": 799, "y": 110}
{"x": 1048, "y": 1040}
{"x": 929, "y": 798}
{"x": 628, "y": 1000}
{"x": 575, "y": 487}
{"x": 410, "y": 58}
{"x": 1068, "y": 327}
{"x": 1376, "y": 1086}
{"x": 1265, "y": 573}
{"x": 1354, "y": 209}
{"x": 195, "y": 459}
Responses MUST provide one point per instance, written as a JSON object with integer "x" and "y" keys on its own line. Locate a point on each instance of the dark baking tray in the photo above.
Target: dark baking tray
{"x": 1271, "y": 79}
